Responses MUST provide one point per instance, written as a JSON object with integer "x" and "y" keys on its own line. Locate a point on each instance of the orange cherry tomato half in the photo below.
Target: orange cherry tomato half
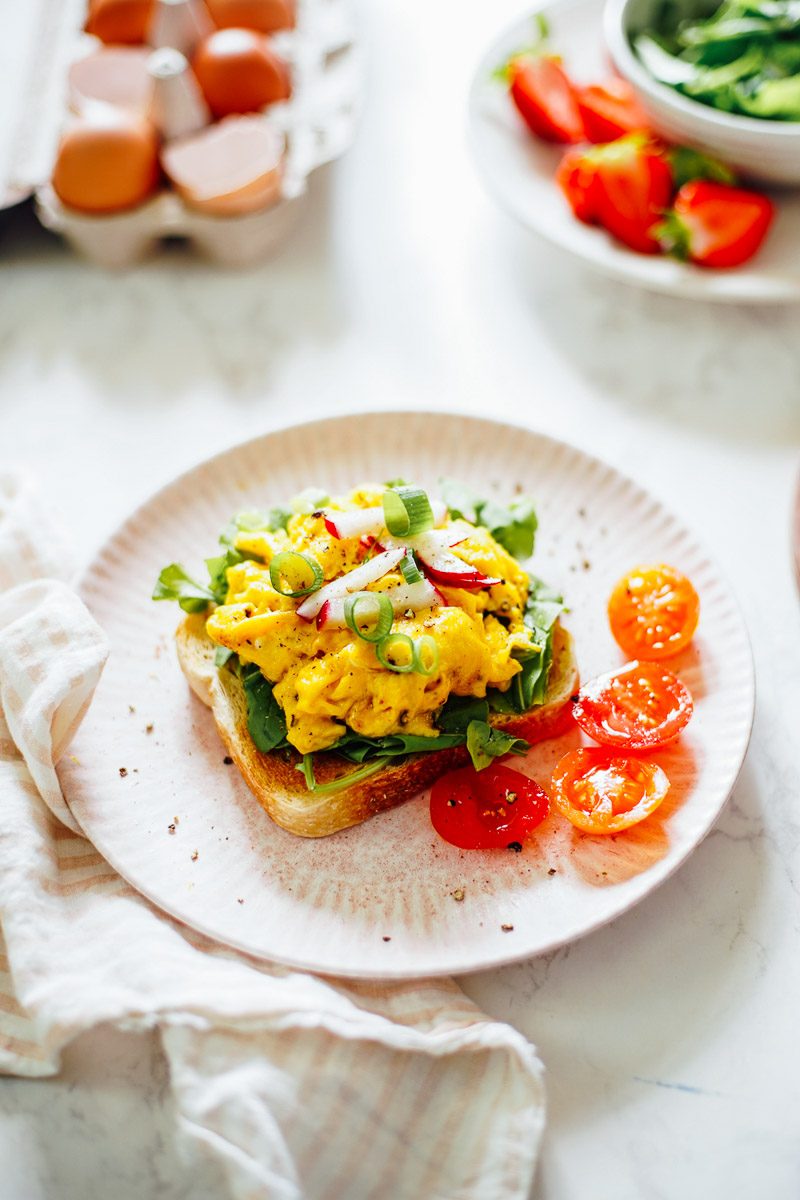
{"x": 487, "y": 810}
{"x": 653, "y": 612}
{"x": 602, "y": 792}
{"x": 641, "y": 706}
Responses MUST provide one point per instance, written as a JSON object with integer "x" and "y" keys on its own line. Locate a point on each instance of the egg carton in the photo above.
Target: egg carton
{"x": 318, "y": 121}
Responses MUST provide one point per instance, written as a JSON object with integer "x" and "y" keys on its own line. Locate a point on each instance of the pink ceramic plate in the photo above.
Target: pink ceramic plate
{"x": 388, "y": 898}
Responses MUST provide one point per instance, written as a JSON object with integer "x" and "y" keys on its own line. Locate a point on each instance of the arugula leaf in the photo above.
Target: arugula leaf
{"x": 266, "y": 721}
{"x": 485, "y": 744}
{"x": 513, "y": 525}
{"x": 358, "y": 749}
{"x": 222, "y": 655}
{"x": 459, "y": 711}
{"x": 529, "y": 687}
{"x": 174, "y": 583}
{"x": 306, "y": 767}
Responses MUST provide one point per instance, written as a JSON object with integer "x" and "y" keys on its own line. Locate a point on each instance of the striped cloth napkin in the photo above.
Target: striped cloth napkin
{"x": 298, "y": 1086}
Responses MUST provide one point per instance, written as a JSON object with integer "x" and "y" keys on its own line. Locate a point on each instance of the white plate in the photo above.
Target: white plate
{"x": 330, "y": 904}
{"x": 518, "y": 170}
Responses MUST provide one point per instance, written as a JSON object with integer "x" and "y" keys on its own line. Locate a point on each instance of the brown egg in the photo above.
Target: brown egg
{"x": 119, "y": 20}
{"x": 266, "y": 16}
{"x": 106, "y": 163}
{"x": 239, "y": 73}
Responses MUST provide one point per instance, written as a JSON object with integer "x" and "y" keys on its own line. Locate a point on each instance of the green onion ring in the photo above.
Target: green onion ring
{"x": 407, "y": 511}
{"x": 366, "y": 601}
{"x": 408, "y": 565}
{"x": 426, "y": 642}
{"x": 384, "y": 646}
{"x": 288, "y": 558}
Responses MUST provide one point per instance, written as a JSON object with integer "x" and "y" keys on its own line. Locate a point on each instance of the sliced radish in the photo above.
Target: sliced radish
{"x": 361, "y": 522}
{"x": 405, "y": 597}
{"x": 444, "y": 568}
{"x": 432, "y": 542}
{"x": 370, "y": 571}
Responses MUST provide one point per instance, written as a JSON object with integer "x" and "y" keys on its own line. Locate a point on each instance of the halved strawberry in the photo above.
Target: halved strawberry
{"x": 714, "y": 224}
{"x": 545, "y": 97}
{"x": 577, "y": 178}
{"x": 609, "y": 110}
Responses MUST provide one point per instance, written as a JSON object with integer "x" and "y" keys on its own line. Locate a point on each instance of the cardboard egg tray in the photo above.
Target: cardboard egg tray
{"x": 318, "y": 121}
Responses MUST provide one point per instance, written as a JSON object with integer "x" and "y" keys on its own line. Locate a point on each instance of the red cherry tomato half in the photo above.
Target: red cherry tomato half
{"x": 641, "y": 706}
{"x": 486, "y": 810}
{"x": 602, "y": 792}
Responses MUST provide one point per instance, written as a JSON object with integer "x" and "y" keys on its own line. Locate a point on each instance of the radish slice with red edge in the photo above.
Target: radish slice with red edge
{"x": 354, "y": 581}
{"x": 449, "y": 571}
{"x": 362, "y": 522}
{"x": 405, "y": 597}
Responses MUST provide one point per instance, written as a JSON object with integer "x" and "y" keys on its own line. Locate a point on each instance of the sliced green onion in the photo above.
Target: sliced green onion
{"x": 309, "y": 500}
{"x": 306, "y": 767}
{"x": 364, "y": 606}
{"x": 408, "y": 565}
{"x": 426, "y": 642}
{"x": 407, "y": 511}
{"x": 290, "y": 563}
{"x": 384, "y": 648}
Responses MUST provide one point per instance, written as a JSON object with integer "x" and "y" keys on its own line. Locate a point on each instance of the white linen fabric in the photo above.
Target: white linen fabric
{"x": 298, "y": 1086}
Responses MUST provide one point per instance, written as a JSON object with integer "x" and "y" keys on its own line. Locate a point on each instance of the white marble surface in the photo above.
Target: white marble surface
{"x": 670, "y": 1037}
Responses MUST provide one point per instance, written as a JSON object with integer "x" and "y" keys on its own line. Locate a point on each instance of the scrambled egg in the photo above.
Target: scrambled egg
{"x": 325, "y": 679}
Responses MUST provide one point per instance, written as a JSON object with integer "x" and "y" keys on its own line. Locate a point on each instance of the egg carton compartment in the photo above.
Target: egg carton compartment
{"x": 318, "y": 122}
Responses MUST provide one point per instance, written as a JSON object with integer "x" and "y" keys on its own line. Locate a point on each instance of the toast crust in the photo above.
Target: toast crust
{"x": 281, "y": 789}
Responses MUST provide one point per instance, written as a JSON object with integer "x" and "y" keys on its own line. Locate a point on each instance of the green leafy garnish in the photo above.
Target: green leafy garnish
{"x": 513, "y": 525}
{"x": 174, "y": 583}
{"x": 266, "y": 720}
{"x": 306, "y": 767}
{"x": 222, "y": 656}
{"x": 486, "y": 743}
{"x": 529, "y": 687}
{"x": 688, "y": 164}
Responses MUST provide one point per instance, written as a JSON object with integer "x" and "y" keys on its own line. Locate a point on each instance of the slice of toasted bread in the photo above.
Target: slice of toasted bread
{"x": 281, "y": 789}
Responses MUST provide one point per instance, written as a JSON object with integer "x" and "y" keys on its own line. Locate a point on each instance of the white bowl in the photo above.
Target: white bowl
{"x": 767, "y": 151}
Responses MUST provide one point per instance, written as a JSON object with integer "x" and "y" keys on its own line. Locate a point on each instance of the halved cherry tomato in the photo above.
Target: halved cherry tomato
{"x": 609, "y": 110}
{"x": 641, "y": 706}
{"x": 653, "y": 612}
{"x": 602, "y": 792}
{"x": 544, "y": 97}
{"x": 485, "y": 810}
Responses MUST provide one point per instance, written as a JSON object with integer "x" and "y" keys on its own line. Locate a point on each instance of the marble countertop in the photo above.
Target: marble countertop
{"x": 668, "y": 1036}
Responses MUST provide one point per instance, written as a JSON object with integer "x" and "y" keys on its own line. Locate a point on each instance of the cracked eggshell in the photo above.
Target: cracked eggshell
{"x": 228, "y": 169}
{"x": 115, "y": 75}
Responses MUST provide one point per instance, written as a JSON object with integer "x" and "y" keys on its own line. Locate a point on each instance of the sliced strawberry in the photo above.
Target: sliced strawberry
{"x": 609, "y": 110}
{"x": 625, "y": 186}
{"x": 634, "y": 186}
{"x": 714, "y": 224}
{"x": 545, "y": 98}
{"x": 577, "y": 178}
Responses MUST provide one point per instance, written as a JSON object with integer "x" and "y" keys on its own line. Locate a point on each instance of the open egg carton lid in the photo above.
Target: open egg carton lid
{"x": 45, "y": 37}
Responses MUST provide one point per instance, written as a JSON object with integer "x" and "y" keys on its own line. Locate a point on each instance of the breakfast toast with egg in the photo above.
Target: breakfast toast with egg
{"x": 281, "y": 789}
